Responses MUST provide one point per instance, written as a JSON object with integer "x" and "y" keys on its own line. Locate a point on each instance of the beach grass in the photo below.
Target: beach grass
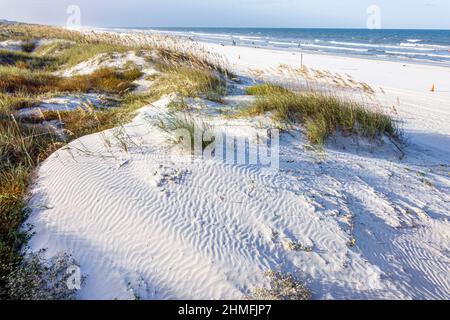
{"x": 24, "y": 60}
{"x": 69, "y": 54}
{"x": 322, "y": 114}
{"x": 12, "y": 102}
{"x": 183, "y": 130}
{"x": 265, "y": 89}
{"x": 28, "y": 46}
{"x": 18, "y": 80}
{"x": 21, "y": 149}
{"x": 191, "y": 82}
{"x": 32, "y": 32}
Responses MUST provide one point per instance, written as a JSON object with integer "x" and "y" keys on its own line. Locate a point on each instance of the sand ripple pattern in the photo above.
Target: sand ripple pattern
{"x": 144, "y": 225}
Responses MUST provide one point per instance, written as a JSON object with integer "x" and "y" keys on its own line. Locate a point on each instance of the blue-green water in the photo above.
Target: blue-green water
{"x": 418, "y": 45}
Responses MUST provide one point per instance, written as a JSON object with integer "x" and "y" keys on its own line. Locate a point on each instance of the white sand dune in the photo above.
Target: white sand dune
{"x": 117, "y": 60}
{"x": 106, "y": 60}
{"x": 140, "y": 223}
{"x": 66, "y": 103}
{"x": 11, "y": 45}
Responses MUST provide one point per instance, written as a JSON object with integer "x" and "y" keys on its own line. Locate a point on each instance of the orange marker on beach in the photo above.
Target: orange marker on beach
{"x": 433, "y": 88}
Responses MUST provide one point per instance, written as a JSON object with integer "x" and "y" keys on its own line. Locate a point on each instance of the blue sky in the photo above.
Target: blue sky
{"x": 233, "y": 13}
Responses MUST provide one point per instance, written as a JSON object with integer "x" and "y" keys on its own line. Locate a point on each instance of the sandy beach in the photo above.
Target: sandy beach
{"x": 356, "y": 220}
{"x": 425, "y": 115}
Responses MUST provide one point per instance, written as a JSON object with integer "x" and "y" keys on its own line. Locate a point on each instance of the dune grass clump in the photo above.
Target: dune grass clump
{"x": 109, "y": 80}
{"x": 321, "y": 114}
{"x": 90, "y": 119}
{"x": 12, "y": 102}
{"x": 56, "y": 55}
{"x": 67, "y": 48}
{"x": 24, "y": 60}
{"x": 21, "y": 150}
{"x": 183, "y": 130}
{"x": 30, "y": 32}
{"x": 69, "y": 55}
{"x": 190, "y": 82}
{"x": 84, "y": 121}
{"x": 191, "y": 75}
{"x": 28, "y": 46}
{"x": 106, "y": 80}
{"x": 178, "y": 105}
{"x": 281, "y": 287}
{"x": 265, "y": 89}
{"x": 22, "y": 147}
{"x": 179, "y": 57}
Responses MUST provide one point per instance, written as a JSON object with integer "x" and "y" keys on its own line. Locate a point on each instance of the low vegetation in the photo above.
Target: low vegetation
{"x": 178, "y": 105}
{"x": 191, "y": 82}
{"x": 281, "y": 287}
{"x": 28, "y": 46}
{"x": 9, "y": 103}
{"x": 29, "y": 32}
{"x": 15, "y": 80}
{"x": 183, "y": 130}
{"x": 266, "y": 89}
{"x": 21, "y": 149}
{"x": 67, "y": 54}
{"x": 40, "y": 279}
{"x": 177, "y": 57}
{"x": 24, "y": 60}
{"x": 321, "y": 114}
